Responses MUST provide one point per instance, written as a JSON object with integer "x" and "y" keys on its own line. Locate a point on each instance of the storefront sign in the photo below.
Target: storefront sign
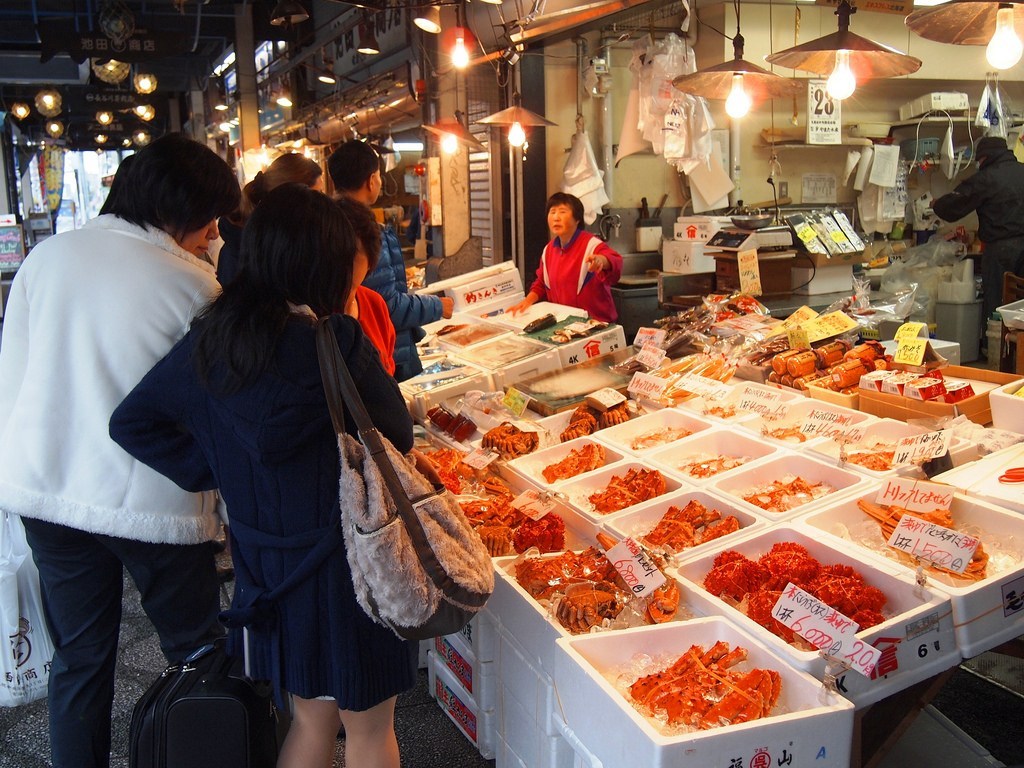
{"x": 824, "y": 117}
{"x": 12, "y": 247}
{"x": 61, "y": 36}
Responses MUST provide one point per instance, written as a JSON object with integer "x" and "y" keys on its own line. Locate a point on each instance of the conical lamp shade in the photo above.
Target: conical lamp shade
{"x": 456, "y": 129}
{"x": 716, "y": 82}
{"x": 516, "y": 114}
{"x": 961, "y": 22}
{"x": 868, "y": 59}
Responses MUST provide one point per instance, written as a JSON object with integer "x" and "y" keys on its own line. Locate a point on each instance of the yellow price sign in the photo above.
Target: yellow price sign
{"x": 750, "y": 272}
{"x": 515, "y": 401}
{"x": 837, "y": 237}
{"x": 798, "y": 338}
{"x": 798, "y": 317}
{"x": 806, "y": 233}
{"x": 832, "y": 324}
{"x": 910, "y": 351}
{"x": 909, "y": 331}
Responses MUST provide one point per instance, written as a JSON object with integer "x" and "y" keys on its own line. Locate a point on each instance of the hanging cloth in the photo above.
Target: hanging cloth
{"x": 581, "y": 176}
{"x": 631, "y": 138}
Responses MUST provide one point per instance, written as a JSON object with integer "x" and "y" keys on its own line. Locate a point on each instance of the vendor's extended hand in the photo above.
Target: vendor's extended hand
{"x": 447, "y": 307}
{"x": 519, "y": 308}
{"x": 598, "y": 263}
{"x": 426, "y": 467}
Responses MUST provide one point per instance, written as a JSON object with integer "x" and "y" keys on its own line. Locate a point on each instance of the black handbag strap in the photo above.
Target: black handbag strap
{"x": 340, "y": 390}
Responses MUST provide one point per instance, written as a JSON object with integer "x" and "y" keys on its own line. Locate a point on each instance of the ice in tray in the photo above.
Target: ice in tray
{"x": 782, "y": 486}
{"x": 915, "y": 636}
{"x": 616, "y": 488}
{"x": 653, "y": 431}
{"x": 555, "y": 465}
{"x": 806, "y": 422}
{"x": 689, "y": 536}
{"x": 710, "y": 454}
{"x": 988, "y": 610}
{"x": 806, "y": 726}
{"x": 873, "y": 455}
{"x": 742, "y": 402}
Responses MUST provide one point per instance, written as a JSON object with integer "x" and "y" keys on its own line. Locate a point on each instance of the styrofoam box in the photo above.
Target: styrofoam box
{"x": 1007, "y": 407}
{"x": 686, "y": 257}
{"x": 578, "y": 489}
{"x": 476, "y": 724}
{"x": 523, "y": 737}
{"x": 947, "y": 100}
{"x": 621, "y": 436}
{"x": 478, "y": 678}
{"x": 718, "y": 441}
{"x": 480, "y": 635}
{"x": 811, "y": 732}
{"x": 505, "y": 376}
{"x": 981, "y": 478}
{"x": 986, "y": 612}
{"x": 457, "y": 342}
{"x": 595, "y": 345}
{"x": 916, "y": 640}
{"x": 529, "y": 687}
{"x": 889, "y": 432}
{"x": 811, "y": 281}
{"x": 643, "y": 518}
{"x": 532, "y": 465}
{"x": 746, "y": 480}
{"x": 422, "y": 400}
{"x": 1012, "y": 314}
{"x": 749, "y": 398}
{"x": 796, "y": 412}
{"x": 699, "y": 227}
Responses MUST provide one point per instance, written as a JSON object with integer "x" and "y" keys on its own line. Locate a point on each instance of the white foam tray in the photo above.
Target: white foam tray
{"x": 621, "y": 436}
{"x": 811, "y": 728}
{"x": 916, "y": 639}
{"x": 750, "y": 399}
{"x": 578, "y": 490}
{"x": 643, "y": 518}
{"x": 532, "y": 465}
{"x": 743, "y": 481}
{"x": 796, "y": 412}
{"x": 986, "y": 612}
{"x": 719, "y": 441}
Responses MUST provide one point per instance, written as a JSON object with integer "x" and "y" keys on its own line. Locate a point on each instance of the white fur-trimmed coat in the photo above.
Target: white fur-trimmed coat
{"x": 89, "y": 313}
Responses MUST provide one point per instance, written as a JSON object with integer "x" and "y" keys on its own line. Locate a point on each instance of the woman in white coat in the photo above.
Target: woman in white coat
{"x": 90, "y": 312}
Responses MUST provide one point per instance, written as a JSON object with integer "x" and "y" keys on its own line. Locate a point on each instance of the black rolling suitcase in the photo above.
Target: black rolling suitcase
{"x": 204, "y": 713}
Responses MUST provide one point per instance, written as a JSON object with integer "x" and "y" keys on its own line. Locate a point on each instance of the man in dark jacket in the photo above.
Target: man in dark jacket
{"x": 996, "y": 192}
{"x": 355, "y": 171}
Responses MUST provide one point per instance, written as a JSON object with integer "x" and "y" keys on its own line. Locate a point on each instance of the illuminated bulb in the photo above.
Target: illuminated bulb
{"x": 738, "y": 103}
{"x": 55, "y": 128}
{"x": 225, "y": 126}
{"x": 144, "y": 83}
{"x": 141, "y": 138}
{"x": 449, "y": 144}
{"x": 1004, "y": 49}
{"x": 145, "y": 112}
{"x": 516, "y": 135}
{"x": 20, "y": 110}
{"x": 460, "y": 56}
{"x": 842, "y": 82}
{"x": 126, "y": 142}
{"x": 101, "y": 138}
{"x": 221, "y": 107}
{"x": 104, "y": 117}
{"x": 327, "y": 79}
{"x": 284, "y": 101}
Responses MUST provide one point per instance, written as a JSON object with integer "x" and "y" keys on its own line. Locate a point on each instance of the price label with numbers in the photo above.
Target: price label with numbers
{"x": 826, "y": 326}
{"x": 635, "y": 567}
{"x": 820, "y": 422}
{"x": 709, "y": 389}
{"x": 647, "y": 386}
{"x": 750, "y": 272}
{"x": 920, "y": 448}
{"x": 909, "y": 331}
{"x": 515, "y": 401}
{"x": 944, "y": 547}
{"x": 824, "y": 115}
{"x": 650, "y": 356}
{"x": 825, "y": 628}
{"x": 534, "y": 504}
{"x": 480, "y": 458}
{"x": 910, "y": 351}
{"x": 798, "y": 338}
{"x": 915, "y": 495}
{"x": 655, "y": 336}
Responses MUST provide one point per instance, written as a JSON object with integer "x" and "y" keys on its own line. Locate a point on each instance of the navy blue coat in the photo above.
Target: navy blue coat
{"x": 271, "y": 450}
{"x": 408, "y": 311}
{"x": 227, "y": 260}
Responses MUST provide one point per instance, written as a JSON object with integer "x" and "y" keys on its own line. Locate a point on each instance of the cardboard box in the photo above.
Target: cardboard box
{"x": 776, "y": 275}
{"x": 686, "y": 257}
{"x": 807, "y": 260}
{"x": 978, "y": 408}
{"x": 949, "y": 101}
{"x": 811, "y": 281}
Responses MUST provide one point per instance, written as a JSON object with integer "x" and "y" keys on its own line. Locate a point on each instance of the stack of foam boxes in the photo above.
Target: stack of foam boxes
{"x": 462, "y": 676}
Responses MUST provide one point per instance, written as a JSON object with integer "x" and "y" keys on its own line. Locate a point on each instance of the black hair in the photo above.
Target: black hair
{"x": 365, "y": 227}
{"x": 118, "y": 184}
{"x": 351, "y": 164}
{"x": 573, "y": 202}
{"x": 288, "y": 168}
{"x": 177, "y": 185}
{"x": 298, "y": 246}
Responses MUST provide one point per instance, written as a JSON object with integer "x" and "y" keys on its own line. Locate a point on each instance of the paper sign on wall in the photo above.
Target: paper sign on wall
{"x": 750, "y": 272}
{"x": 824, "y": 116}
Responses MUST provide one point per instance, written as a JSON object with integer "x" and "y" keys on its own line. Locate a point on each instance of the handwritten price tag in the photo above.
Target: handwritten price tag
{"x": 910, "y": 351}
{"x": 515, "y": 401}
{"x": 848, "y": 435}
{"x": 480, "y": 458}
{"x": 749, "y": 271}
{"x": 832, "y": 324}
{"x": 534, "y": 504}
{"x": 655, "y": 336}
{"x": 635, "y": 567}
{"x": 798, "y": 338}
{"x": 647, "y": 386}
{"x": 825, "y": 628}
{"x": 922, "y": 447}
{"x": 763, "y": 401}
{"x": 915, "y": 495}
{"x": 650, "y": 356}
{"x": 909, "y": 331}
{"x": 824, "y": 423}
{"x": 709, "y": 389}
{"x": 801, "y": 315}
{"x": 944, "y": 547}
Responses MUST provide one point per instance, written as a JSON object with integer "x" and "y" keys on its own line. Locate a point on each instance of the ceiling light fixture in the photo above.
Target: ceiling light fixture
{"x": 288, "y": 13}
{"x": 48, "y": 102}
{"x": 429, "y": 19}
{"x": 111, "y": 71}
{"x": 368, "y": 44}
{"x": 101, "y": 138}
{"x": 144, "y": 82}
{"x": 459, "y": 52}
{"x": 517, "y": 118}
{"x": 145, "y": 112}
{"x": 452, "y": 132}
{"x": 141, "y": 138}
{"x": 843, "y": 50}
{"x": 974, "y": 22}
{"x": 21, "y": 110}
{"x": 55, "y": 128}
{"x": 103, "y": 117}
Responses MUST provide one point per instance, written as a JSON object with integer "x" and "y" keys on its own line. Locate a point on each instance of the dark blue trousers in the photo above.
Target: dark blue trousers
{"x": 81, "y": 578}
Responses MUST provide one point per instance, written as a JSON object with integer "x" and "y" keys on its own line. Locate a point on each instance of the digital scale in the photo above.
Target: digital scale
{"x": 764, "y": 239}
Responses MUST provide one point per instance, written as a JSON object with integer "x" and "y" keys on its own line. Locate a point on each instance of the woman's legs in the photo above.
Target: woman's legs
{"x": 370, "y": 740}
{"x": 311, "y": 736}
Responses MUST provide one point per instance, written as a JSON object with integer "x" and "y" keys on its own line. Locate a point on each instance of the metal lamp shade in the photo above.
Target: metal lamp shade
{"x": 512, "y": 115}
{"x": 868, "y": 59}
{"x": 456, "y": 129}
{"x": 961, "y": 22}
{"x": 716, "y": 82}
{"x": 287, "y": 13}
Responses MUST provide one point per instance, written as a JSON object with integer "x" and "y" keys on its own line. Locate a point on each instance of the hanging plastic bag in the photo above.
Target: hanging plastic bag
{"x": 581, "y": 177}
{"x": 947, "y": 159}
{"x": 392, "y": 157}
{"x": 28, "y": 650}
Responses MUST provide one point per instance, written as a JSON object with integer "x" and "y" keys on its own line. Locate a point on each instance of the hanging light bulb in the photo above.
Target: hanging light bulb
{"x": 516, "y": 134}
{"x": 1005, "y": 48}
{"x": 144, "y": 82}
{"x": 103, "y": 117}
{"x": 20, "y": 110}
{"x": 141, "y": 138}
{"x": 101, "y": 138}
{"x": 145, "y": 112}
{"x": 429, "y": 19}
{"x": 737, "y": 104}
{"x": 842, "y": 82}
{"x": 126, "y": 142}
{"x": 449, "y": 144}
{"x": 55, "y": 128}
{"x": 48, "y": 102}
{"x": 460, "y": 54}
{"x": 225, "y": 126}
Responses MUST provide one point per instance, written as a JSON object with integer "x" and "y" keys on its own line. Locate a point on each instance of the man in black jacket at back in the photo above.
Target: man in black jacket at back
{"x": 996, "y": 192}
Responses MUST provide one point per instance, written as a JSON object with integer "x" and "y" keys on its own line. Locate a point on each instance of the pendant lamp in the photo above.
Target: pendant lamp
{"x": 974, "y": 22}
{"x": 288, "y": 13}
{"x": 516, "y": 118}
{"x": 849, "y": 55}
{"x": 452, "y": 129}
{"x": 722, "y": 80}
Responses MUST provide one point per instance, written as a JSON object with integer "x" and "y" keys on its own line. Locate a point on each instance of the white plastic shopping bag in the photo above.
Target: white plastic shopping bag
{"x": 27, "y": 649}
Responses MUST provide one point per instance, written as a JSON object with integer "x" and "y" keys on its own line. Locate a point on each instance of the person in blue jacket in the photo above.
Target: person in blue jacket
{"x": 355, "y": 170}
